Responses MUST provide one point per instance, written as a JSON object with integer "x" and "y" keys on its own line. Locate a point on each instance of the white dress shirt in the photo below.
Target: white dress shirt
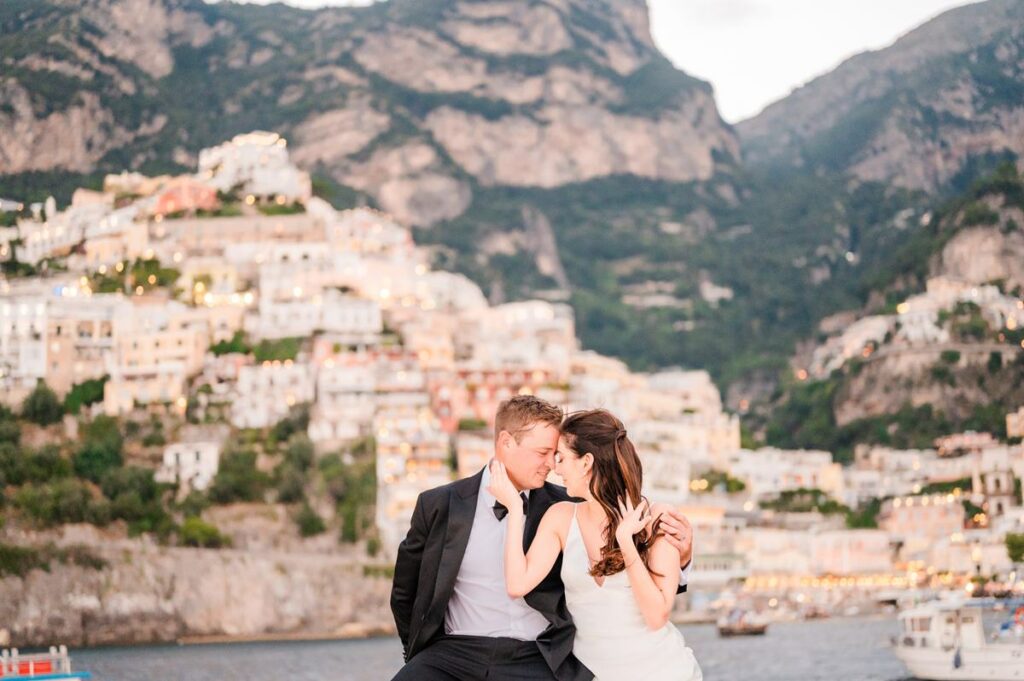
{"x": 480, "y": 604}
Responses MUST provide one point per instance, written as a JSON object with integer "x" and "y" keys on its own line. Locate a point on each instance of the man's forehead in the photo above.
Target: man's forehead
{"x": 540, "y": 435}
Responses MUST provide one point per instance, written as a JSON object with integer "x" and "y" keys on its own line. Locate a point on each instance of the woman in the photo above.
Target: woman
{"x": 620, "y": 573}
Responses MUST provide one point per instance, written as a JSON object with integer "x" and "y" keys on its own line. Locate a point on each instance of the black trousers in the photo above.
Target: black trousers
{"x": 477, "y": 658}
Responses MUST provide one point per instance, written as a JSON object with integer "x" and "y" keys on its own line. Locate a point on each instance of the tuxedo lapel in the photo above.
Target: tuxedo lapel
{"x": 535, "y": 509}
{"x": 461, "y": 510}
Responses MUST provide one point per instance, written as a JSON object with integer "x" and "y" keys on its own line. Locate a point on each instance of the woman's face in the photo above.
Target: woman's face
{"x": 575, "y": 470}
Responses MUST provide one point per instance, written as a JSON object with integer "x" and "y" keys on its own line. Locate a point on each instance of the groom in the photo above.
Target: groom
{"x": 454, "y": 616}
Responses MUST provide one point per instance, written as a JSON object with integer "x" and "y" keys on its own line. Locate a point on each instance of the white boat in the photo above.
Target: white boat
{"x": 945, "y": 641}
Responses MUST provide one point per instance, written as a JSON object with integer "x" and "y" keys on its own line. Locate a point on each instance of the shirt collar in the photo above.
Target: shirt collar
{"x": 486, "y": 480}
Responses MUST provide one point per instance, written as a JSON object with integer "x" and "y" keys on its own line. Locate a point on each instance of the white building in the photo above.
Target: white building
{"x": 346, "y": 402}
{"x": 192, "y": 465}
{"x": 265, "y": 392}
{"x": 768, "y": 471}
{"x": 257, "y": 162}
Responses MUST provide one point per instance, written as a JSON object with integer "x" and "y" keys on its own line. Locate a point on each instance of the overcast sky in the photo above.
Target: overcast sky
{"x": 756, "y": 51}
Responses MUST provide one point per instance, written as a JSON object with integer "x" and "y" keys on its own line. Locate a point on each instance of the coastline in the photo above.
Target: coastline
{"x": 354, "y": 631}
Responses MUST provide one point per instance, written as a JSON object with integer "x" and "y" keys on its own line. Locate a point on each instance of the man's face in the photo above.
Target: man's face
{"x": 529, "y": 461}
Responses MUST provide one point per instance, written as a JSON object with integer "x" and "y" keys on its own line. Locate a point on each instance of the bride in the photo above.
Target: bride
{"x": 620, "y": 573}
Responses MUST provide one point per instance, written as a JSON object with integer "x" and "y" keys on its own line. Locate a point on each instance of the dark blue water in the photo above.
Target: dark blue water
{"x": 825, "y": 650}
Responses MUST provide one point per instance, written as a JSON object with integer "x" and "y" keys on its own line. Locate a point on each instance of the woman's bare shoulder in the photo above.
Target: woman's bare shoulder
{"x": 561, "y": 510}
{"x": 559, "y": 515}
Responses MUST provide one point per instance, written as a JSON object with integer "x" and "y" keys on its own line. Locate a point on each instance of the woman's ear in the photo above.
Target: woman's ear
{"x": 588, "y": 462}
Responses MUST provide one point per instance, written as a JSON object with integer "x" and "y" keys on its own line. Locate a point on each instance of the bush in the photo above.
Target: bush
{"x": 291, "y": 484}
{"x": 88, "y": 392}
{"x": 995, "y": 362}
{"x": 300, "y": 451}
{"x": 130, "y": 480}
{"x": 19, "y": 560}
{"x": 354, "y": 488}
{"x": 309, "y": 522}
{"x": 942, "y": 374}
{"x": 472, "y": 424}
{"x": 10, "y": 431}
{"x": 276, "y": 209}
{"x": 979, "y": 214}
{"x": 57, "y": 503}
{"x": 101, "y": 450}
{"x": 194, "y": 504}
{"x": 297, "y": 421}
{"x": 950, "y": 356}
{"x": 805, "y": 500}
{"x": 1015, "y": 546}
{"x": 201, "y": 534}
{"x": 46, "y": 464}
{"x": 93, "y": 461}
{"x": 104, "y": 430}
{"x": 975, "y": 328}
{"x": 236, "y": 344}
{"x": 154, "y": 438}
{"x": 270, "y": 350}
{"x": 42, "y": 406}
{"x": 238, "y": 479}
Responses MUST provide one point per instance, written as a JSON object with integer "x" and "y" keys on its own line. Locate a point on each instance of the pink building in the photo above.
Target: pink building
{"x": 185, "y": 194}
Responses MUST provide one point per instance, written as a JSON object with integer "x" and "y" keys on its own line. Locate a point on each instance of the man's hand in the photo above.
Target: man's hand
{"x": 679, "y": 533}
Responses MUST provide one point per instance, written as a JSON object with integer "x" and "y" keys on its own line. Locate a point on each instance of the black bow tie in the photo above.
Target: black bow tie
{"x": 500, "y": 511}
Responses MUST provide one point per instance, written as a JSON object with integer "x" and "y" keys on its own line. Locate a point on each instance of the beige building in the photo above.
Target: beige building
{"x": 920, "y": 521}
{"x": 158, "y": 343}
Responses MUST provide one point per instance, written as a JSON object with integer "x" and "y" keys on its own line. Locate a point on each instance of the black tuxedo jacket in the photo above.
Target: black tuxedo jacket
{"x": 429, "y": 559}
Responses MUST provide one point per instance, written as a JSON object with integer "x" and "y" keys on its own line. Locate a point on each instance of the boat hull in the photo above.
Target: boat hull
{"x": 991, "y": 663}
{"x": 755, "y": 630}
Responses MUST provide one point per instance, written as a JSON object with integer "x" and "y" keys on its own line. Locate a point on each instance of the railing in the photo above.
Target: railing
{"x": 15, "y": 665}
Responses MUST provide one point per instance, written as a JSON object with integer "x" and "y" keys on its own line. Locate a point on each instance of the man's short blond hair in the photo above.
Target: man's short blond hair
{"x": 522, "y": 412}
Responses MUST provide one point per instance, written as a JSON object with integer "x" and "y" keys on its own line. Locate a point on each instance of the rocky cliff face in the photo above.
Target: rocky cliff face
{"x": 147, "y": 593}
{"x": 977, "y": 240}
{"x": 410, "y": 102}
{"x": 917, "y": 114}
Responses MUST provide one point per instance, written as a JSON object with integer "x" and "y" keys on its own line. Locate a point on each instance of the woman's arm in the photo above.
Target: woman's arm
{"x": 654, "y": 595}
{"x": 523, "y": 572}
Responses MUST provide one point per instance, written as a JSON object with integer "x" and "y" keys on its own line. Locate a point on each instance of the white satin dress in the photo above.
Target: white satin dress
{"x": 612, "y": 639}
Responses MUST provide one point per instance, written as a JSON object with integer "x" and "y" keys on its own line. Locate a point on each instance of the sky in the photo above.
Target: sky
{"x": 755, "y": 52}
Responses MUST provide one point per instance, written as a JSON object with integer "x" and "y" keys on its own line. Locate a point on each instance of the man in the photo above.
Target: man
{"x": 454, "y": 616}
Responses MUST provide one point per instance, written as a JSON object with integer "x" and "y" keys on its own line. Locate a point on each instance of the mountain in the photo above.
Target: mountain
{"x": 412, "y": 102}
{"x": 921, "y": 114}
{"x": 939, "y": 346}
{"x": 543, "y": 147}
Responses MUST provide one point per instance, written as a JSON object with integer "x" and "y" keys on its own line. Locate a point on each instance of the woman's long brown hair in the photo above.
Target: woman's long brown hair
{"x": 616, "y": 475}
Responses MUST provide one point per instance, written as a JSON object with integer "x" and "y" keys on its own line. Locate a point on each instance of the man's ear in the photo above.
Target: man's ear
{"x": 505, "y": 440}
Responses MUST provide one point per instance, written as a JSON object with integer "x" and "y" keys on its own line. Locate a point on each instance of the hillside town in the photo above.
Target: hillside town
{"x": 160, "y": 287}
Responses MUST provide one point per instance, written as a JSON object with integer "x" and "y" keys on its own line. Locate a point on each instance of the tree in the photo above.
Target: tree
{"x": 297, "y": 421}
{"x": 10, "y": 430}
{"x": 238, "y": 479}
{"x": 46, "y": 464}
{"x": 291, "y": 484}
{"x": 104, "y": 430}
{"x": 94, "y": 459}
{"x": 87, "y": 392}
{"x": 42, "y": 406}
{"x": 1015, "y": 546}
{"x": 309, "y": 522}
{"x": 197, "y": 532}
{"x": 299, "y": 453}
